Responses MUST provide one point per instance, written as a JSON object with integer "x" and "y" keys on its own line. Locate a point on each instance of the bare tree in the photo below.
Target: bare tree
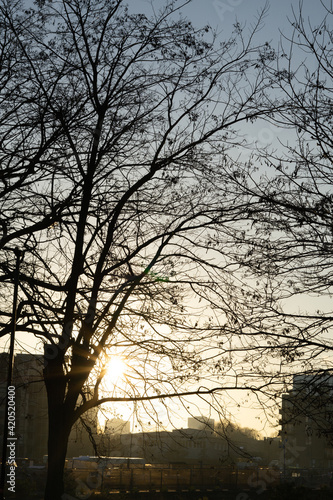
{"x": 286, "y": 250}
{"x": 118, "y": 183}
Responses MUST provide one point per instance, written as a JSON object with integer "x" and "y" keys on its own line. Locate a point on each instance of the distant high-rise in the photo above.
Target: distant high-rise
{"x": 307, "y": 421}
{"x": 31, "y": 427}
{"x": 32, "y": 412}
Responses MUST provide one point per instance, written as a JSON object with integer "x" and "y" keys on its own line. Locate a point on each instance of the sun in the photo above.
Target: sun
{"x": 115, "y": 370}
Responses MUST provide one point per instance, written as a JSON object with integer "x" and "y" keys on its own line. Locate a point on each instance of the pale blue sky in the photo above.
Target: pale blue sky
{"x": 221, "y": 14}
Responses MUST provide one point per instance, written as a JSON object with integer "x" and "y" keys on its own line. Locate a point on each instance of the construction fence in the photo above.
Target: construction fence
{"x": 81, "y": 483}
{"x": 174, "y": 479}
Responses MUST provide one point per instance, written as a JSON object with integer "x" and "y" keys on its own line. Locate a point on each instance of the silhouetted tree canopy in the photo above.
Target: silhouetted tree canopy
{"x": 148, "y": 232}
{"x": 116, "y": 181}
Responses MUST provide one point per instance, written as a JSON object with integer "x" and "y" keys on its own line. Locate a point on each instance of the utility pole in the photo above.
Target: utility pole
{"x": 19, "y": 255}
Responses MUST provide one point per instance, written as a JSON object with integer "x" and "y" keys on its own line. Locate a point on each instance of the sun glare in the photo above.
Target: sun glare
{"x": 115, "y": 371}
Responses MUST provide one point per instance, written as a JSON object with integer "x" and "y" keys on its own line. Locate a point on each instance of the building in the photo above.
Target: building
{"x": 307, "y": 422}
{"x": 84, "y": 437}
{"x": 117, "y": 426}
{"x": 108, "y": 440}
{"x": 32, "y": 411}
{"x": 200, "y": 423}
{"x": 180, "y": 446}
{"x": 31, "y": 404}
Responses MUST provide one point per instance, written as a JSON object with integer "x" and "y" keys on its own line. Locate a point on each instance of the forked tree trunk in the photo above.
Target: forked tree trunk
{"x": 59, "y": 431}
{"x": 60, "y": 423}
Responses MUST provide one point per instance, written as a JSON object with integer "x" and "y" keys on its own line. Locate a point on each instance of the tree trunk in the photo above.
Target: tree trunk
{"x": 60, "y": 422}
{"x": 57, "y": 447}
